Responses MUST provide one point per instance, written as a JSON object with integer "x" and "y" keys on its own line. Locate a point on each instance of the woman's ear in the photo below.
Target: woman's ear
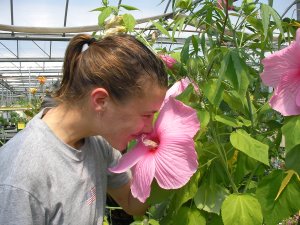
{"x": 99, "y": 99}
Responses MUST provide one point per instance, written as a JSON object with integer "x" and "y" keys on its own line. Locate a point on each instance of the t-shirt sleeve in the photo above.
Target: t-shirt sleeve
{"x": 116, "y": 180}
{"x": 19, "y": 207}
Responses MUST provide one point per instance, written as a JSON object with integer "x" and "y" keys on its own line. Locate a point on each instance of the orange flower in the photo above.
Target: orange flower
{"x": 42, "y": 80}
{"x": 33, "y": 90}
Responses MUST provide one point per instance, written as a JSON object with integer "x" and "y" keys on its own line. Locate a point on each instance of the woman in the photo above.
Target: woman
{"x": 55, "y": 170}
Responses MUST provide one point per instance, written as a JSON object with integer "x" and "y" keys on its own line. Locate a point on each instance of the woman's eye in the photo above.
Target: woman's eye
{"x": 147, "y": 116}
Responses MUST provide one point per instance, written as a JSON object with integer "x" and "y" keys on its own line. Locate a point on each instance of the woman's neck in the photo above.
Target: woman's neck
{"x": 67, "y": 123}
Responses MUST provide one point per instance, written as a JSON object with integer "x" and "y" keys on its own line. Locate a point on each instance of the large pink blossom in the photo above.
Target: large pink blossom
{"x": 166, "y": 154}
{"x": 282, "y": 72}
{"x": 179, "y": 87}
{"x": 168, "y": 60}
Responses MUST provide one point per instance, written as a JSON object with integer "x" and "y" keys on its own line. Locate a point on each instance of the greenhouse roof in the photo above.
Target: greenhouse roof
{"x": 34, "y": 35}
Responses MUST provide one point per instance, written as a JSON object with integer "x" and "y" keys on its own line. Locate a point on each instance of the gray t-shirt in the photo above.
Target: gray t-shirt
{"x": 45, "y": 181}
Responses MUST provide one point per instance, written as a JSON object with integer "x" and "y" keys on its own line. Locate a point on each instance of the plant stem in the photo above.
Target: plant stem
{"x": 224, "y": 25}
{"x": 250, "y": 110}
{"x": 250, "y": 178}
{"x": 224, "y": 161}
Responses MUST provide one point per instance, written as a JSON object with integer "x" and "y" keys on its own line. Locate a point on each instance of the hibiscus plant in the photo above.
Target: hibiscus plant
{"x": 243, "y": 84}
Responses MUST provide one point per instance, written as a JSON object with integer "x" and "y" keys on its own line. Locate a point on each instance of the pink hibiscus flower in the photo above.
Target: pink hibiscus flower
{"x": 282, "y": 72}
{"x": 222, "y": 3}
{"x": 166, "y": 154}
{"x": 168, "y": 60}
{"x": 179, "y": 87}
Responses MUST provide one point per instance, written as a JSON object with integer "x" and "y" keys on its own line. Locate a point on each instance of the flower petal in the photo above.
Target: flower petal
{"x": 143, "y": 174}
{"x": 178, "y": 119}
{"x": 286, "y": 95}
{"x": 176, "y": 162}
{"x": 176, "y": 158}
{"x": 130, "y": 158}
{"x": 281, "y": 63}
{"x": 178, "y": 87}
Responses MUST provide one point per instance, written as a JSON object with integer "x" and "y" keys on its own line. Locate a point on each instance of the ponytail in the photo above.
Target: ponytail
{"x": 71, "y": 60}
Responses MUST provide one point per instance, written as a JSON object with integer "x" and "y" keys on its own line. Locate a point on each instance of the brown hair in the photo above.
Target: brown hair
{"x": 117, "y": 63}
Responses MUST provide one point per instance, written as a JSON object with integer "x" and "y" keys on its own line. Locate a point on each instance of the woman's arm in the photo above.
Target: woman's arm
{"x": 124, "y": 198}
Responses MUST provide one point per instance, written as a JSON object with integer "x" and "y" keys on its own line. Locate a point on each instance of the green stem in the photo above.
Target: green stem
{"x": 224, "y": 161}
{"x": 250, "y": 178}
{"x": 225, "y": 22}
{"x": 250, "y": 110}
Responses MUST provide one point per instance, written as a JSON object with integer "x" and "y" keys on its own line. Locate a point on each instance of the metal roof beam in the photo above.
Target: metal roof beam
{"x": 31, "y": 60}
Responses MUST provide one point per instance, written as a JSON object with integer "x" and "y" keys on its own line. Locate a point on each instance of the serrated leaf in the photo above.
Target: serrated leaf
{"x": 238, "y": 209}
{"x": 242, "y": 141}
{"x": 287, "y": 204}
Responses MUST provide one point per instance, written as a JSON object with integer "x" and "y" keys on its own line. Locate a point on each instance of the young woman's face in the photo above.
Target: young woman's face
{"x": 125, "y": 122}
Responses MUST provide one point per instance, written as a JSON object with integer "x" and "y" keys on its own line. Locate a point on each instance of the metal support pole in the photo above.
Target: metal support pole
{"x": 298, "y": 10}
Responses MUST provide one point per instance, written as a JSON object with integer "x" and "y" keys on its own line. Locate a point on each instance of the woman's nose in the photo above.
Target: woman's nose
{"x": 148, "y": 127}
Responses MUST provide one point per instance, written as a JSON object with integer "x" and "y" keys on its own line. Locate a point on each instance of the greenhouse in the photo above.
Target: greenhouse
{"x": 164, "y": 112}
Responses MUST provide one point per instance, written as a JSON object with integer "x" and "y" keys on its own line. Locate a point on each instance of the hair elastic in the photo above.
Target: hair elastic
{"x": 92, "y": 40}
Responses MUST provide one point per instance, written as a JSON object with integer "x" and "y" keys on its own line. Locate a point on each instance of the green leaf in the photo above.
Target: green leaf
{"x": 235, "y": 71}
{"x": 212, "y": 91}
{"x": 161, "y": 28}
{"x": 98, "y": 9}
{"x": 210, "y": 197}
{"x": 292, "y": 159}
{"x": 158, "y": 194}
{"x": 287, "y": 204}
{"x": 128, "y": 7}
{"x": 103, "y": 15}
{"x": 276, "y": 19}
{"x": 245, "y": 165}
{"x": 240, "y": 72}
{"x": 105, "y": 2}
{"x": 195, "y": 42}
{"x": 240, "y": 209}
{"x": 242, "y": 141}
{"x": 291, "y": 132}
{"x": 230, "y": 121}
{"x": 185, "y": 193}
{"x": 181, "y": 196}
{"x": 189, "y": 216}
{"x": 285, "y": 181}
{"x": 184, "y": 55}
{"x": 234, "y": 101}
{"x": 129, "y": 22}
{"x": 214, "y": 219}
{"x": 183, "y": 4}
{"x": 178, "y": 26}
{"x": 204, "y": 118}
{"x": 265, "y": 16}
{"x": 153, "y": 222}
